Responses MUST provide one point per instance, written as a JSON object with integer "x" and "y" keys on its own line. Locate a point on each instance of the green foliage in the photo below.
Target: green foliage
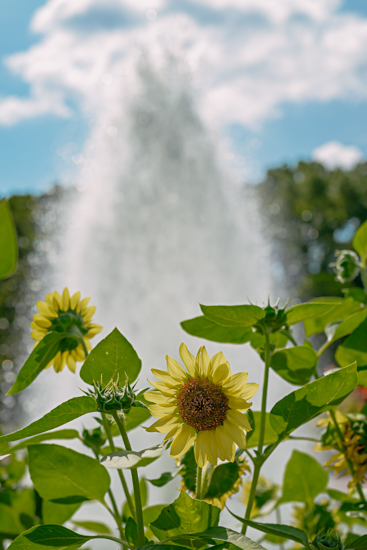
{"x": 209, "y": 330}
{"x": 8, "y": 241}
{"x": 133, "y": 459}
{"x": 304, "y": 479}
{"x": 233, "y": 316}
{"x": 302, "y": 405}
{"x": 48, "y": 536}
{"x": 296, "y": 365}
{"x": 37, "y": 361}
{"x": 64, "y": 413}
{"x": 114, "y": 357}
{"x": 270, "y": 436}
{"x": 360, "y": 242}
{"x": 64, "y": 476}
{"x": 354, "y": 347}
{"x": 185, "y": 516}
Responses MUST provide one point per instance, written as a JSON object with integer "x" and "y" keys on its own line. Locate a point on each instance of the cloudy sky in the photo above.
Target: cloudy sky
{"x": 278, "y": 80}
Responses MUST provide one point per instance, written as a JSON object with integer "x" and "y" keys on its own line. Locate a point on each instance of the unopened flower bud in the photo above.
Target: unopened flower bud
{"x": 328, "y": 541}
{"x": 347, "y": 265}
{"x": 94, "y": 438}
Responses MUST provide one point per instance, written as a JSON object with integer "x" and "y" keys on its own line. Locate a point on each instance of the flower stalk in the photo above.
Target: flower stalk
{"x": 135, "y": 479}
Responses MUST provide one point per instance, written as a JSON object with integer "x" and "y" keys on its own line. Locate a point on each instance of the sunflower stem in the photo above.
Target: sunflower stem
{"x": 130, "y": 502}
{"x": 199, "y": 484}
{"x": 364, "y": 277}
{"x": 260, "y": 459}
{"x": 348, "y": 461}
{"x": 135, "y": 478}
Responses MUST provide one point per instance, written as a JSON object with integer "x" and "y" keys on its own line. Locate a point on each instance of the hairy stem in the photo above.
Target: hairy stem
{"x": 348, "y": 461}
{"x": 135, "y": 478}
{"x": 260, "y": 460}
{"x": 130, "y": 502}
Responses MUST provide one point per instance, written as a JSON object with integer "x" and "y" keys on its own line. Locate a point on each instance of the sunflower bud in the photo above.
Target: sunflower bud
{"x": 330, "y": 541}
{"x": 95, "y": 438}
{"x": 347, "y": 265}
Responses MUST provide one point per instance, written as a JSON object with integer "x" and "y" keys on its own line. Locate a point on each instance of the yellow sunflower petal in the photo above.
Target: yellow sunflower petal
{"x": 65, "y": 299}
{"x": 88, "y": 345}
{"x": 87, "y": 313}
{"x": 175, "y": 370}
{"x": 80, "y": 355}
{"x": 159, "y": 398}
{"x": 249, "y": 390}
{"x": 38, "y": 334}
{"x": 71, "y": 363}
{"x": 165, "y": 424}
{"x": 235, "y": 433}
{"x": 183, "y": 441}
{"x": 217, "y": 360}
{"x": 50, "y": 300}
{"x": 201, "y": 450}
{"x": 45, "y": 310}
{"x": 238, "y": 403}
{"x": 34, "y": 326}
{"x": 202, "y": 362}
{"x": 58, "y": 362}
{"x": 57, "y": 300}
{"x": 159, "y": 411}
{"x": 94, "y": 329}
{"x": 225, "y": 446}
{"x": 239, "y": 419}
{"x": 188, "y": 359}
{"x": 82, "y": 304}
{"x": 212, "y": 447}
{"x": 41, "y": 320}
{"x": 163, "y": 388}
{"x": 166, "y": 378}
{"x": 236, "y": 384}
{"x": 74, "y": 300}
{"x": 172, "y": 433}
{"x": 221, "y": 373}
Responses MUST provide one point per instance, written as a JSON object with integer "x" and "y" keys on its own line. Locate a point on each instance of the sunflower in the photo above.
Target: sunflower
{"x": 201, "y": 406}
{"x": 67, "y": 314}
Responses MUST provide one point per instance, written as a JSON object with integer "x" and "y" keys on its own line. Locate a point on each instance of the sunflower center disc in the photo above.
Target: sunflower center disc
{"x": 202, "y": 404}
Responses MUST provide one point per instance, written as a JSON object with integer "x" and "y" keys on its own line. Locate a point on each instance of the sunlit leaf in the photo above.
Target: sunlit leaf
{"x": 304, "y": 479}
{"x": 133, "y": 459}
{"x": 38, "y": 360}
{"x": 43, "y": 537}
{"x": 302, "y": 405}
{"x": 184, "y": 516}
{"x": 8, "y": 241}
{"x": 58, "y": 514}
{"x": 234, "y": 316}
{"x": 113, "y": 357}
{"x": 58, "y": 434}
{"x": 300, "y": 312}
{"x": 64, "y": 413}
{"x": 207, "y": 329}
{"x": 360, "y": 242}
{"x": 10, "y": 523}
{"x": 229, "y": 536}
{"x": 253, "y": 437}
{"x": 65, "y": 476}
{"x": 354, "y": 348}
{"x": 341, "y": 309}
{"x": 94, "y": 526}
{"x": 296, "y": 365}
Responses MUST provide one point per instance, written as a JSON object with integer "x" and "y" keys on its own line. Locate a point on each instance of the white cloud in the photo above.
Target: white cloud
{"x": 302, "y": 50}
{"x": 336, "y": 155}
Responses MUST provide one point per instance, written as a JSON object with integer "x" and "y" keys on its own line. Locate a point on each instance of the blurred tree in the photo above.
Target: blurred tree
{"x": 19, "y": 293}
{"x": 308, "y": 212}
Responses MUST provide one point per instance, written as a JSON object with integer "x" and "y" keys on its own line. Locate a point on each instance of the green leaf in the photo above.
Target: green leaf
{"x": 342, "y": 309}
{"x": 223, "y": 479}
{"x": 207, "y": 329}
{"x": 184, "y": 516}
{"x": 64, "y": 413}
{"x": 133, "y": 459}
{"x": 65, "y": 476}
{"x": 304, "y": 479}
{"x": 354, "y": 348}
{"x": 151, "y": 513}
{"x": 358, "y": 294}
{"x": 356, "y": 542}
{"x": 58, "y": 434}
{"x": 341, "y": 497}
{"x": 58, "y": 514}
{"x": 38, "y": 360}
{"x": 10, "y": 523}
{"x": 302, "y": 405}
{"x": 8, "y": 241}
{"x": 164, "y": 478}
{"x": 285, "y": 531}
{"x": 360, "y": 242}
{"x": 270, "y": 435}
{"x": 234, "y": 316}
{"x": 335, "y": 331}
{"x": 301, "y": 312}
{"x": 95, "y": 526}
{"x": 113, "y": 356}
{"x": 42, "y": 537}
{"x": 296, "y": 365}
{"x": 230, "y": 537}
{"x": 131, "y": 533}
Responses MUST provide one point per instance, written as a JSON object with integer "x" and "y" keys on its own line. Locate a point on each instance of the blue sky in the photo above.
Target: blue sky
{"x": 279, "y": 79}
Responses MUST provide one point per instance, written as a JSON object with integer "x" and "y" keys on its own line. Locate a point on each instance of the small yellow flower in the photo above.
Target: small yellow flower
{"x": 69, "y": 314}
{"x": 353, "y": 447}
{"x": 201, "y": 406}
